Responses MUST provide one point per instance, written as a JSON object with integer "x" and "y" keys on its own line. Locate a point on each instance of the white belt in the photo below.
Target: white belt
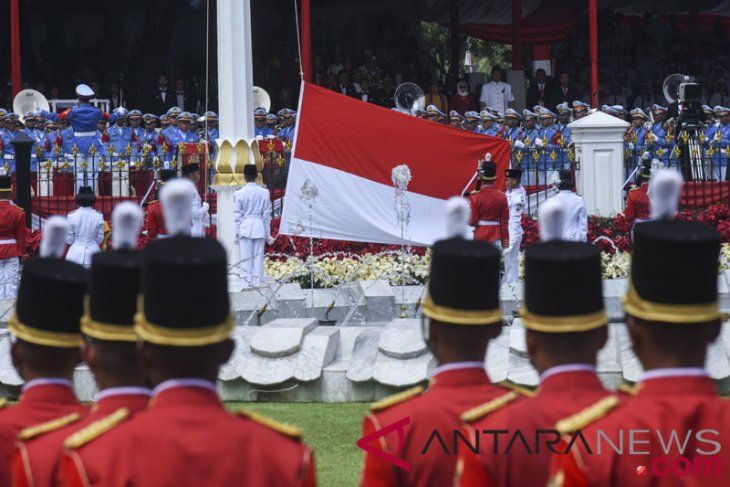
{"x": 487, "y": 223}
{"x": 641, "y": 220}
{"x": 84, "y": 134}
{"x": 8, "y": 241}
{"x": 163, "y": 235}
{"x": 9, "y": 157}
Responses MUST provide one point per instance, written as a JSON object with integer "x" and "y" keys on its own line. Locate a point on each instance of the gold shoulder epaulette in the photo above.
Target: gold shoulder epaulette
{"x": 285, "y": 429}
{"x": 489, "y": 407}
{"x": 587, "y": 416}
{"x": 518, "y": 389}
{"x": 3, "y": 402}
{"x": 396, "y": 398}
{"x": 96, "y": 429}
{"x": 43, "y": 428}
{"x": 627, "y": 389}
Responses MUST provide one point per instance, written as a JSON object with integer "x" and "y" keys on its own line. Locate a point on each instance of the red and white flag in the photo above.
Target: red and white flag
{"x": 347, "y": 150}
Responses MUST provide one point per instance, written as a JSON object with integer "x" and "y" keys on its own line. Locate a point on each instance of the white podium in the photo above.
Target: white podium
{"x": 599, "y": 170}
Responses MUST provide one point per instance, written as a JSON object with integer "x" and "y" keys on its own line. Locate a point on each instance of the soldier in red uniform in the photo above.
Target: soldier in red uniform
{"x": 462, "y": 318}
{"x": 46, "y": 326}
{"x": 109, "y": 350}
{"x": 154, "y": 224}
{"x": 489, "y": 208}
{"x": 672, "y": 317}
{"x": 637, "y": 202}
{"x": 563, "y": 337}
{"x": 13, "y": 234}
{"x": 186, "y": 436}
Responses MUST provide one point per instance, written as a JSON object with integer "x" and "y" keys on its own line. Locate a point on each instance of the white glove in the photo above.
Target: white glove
{"x": 270, "y": 240}
{"x": 519, "y": 144}
{"x": 204, "y": 207}
{"x": 538, "y": 143}
{"x": 631, "y": 146}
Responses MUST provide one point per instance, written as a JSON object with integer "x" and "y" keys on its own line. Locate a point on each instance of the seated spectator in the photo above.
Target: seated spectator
{"x": 462, "y": 101}
{"x": 436, "y": 98}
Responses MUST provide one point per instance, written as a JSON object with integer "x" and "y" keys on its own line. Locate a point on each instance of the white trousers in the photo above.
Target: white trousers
{"x": 512, "y": 263}
{"x": 9, "y": 278}
{"x": 252, "y": 261}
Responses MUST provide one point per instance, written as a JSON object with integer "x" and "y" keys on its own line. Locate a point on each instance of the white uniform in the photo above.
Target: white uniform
{"x": 85, "y": 234}
{"x": 199, "y": 211}
{"x": 516, "y": 200}
{"x": 252, "y": 209}
{"x": 576, "y": 218}
{"x": 497, "y": 95}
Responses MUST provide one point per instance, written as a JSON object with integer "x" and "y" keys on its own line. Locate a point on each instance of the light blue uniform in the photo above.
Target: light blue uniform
{"x": 84, "y": 118}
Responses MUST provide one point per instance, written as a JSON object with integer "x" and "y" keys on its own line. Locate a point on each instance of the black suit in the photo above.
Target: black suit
{"x": 348, "y": 89}
{"x": 546, "y": 95}
{"x": 568, "y": 96}
{"x": 157, "y": 104}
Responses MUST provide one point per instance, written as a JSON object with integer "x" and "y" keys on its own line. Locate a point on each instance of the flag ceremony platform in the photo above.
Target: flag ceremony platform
{"x": 351, "y": 344}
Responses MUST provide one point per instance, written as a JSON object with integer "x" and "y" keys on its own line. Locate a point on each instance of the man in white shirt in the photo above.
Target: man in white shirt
{"x": 576, "y": 217}
{"x": 497, "y": 94}
{"x": 516, "y": 199}
{"x": 252, "y": 209}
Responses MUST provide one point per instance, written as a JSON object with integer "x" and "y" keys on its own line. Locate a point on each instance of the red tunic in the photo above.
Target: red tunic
{"x": 450, "y": 394}
{"x": 38, "y": 404}
{"x": 36, "y": 461}
{"x": 677, "y": 408}
{"x": 187, "y": 436}
{"x": 490, "y": 215}
{"x": 12, "y": 227}
{"x": 154, "y": 223}
{"x": 558, "y": 397}
{"x": 637, "y": 203}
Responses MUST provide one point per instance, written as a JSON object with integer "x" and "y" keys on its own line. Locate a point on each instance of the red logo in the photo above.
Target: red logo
{"x": 369, "y": 443}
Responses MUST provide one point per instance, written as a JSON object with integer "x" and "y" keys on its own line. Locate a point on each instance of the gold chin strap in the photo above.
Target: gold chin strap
{"x": 190, "y": 337}
{"x": 637, "y": 306}
{"x": 563, "y": 324}
{"x": 43, "y": 337}
{"x": 460, "y": 316}
{"x": 105, "y": 331}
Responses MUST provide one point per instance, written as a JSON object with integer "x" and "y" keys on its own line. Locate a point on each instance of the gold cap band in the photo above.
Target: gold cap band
{"x": 563, "y": 324}
{"x": 190, "y": 337}
{"x": 43, "y": 337}
{"x": 105, "y": 331}
{"x": 637, "y": 306}
{"x": 460, "y": 316}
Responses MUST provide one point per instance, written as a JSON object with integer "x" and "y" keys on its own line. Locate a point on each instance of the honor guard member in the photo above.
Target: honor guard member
{"x": 45, "y": 324}
{"x": 635, "y": 136}
{"x": 135, "y": 125}
{"x": 719, "y": 146}
{"x": 489, "y": 209}
{"x": 199, "y": 208}
{"x": 154, "y": 223}
{"x": 461, "y": 315}
{"x": 252, "y": 211}
{"x": 149, "y": 139}
{"x": 168, "y": 132}
{"x": 564, "y": 113}
{"x": 637, "y": 202}
{"x": 83, "y": 118}
{"x": 13, "y": 235}
{"x": 563, "y": 338}
{"x": 489, "y": 125}
{"x": 513, "y": 132}
{"x": 109, "y": 350}
{"x": 261, "y": 128}
{"x": 471, "y": 121}
{"x": 184, "y": 134}
{"x": 12, "y": 130}
{"x": 580, "y": 109}
{"x": 516, "y": 200}
{"x": 86, "y": 229}
{"x": 576, "y": 217}
{"x": 672, "y": 317}
{"x": 456, "y": 120}
{"x": 548, "y": 141}
{"x": 186, "y": 433}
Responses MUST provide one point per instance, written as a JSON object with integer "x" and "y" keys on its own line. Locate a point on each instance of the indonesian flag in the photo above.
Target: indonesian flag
{"x": 340, "y": 183}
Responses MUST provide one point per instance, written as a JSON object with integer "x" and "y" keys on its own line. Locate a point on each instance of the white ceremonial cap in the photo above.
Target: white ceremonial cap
{"x": 84, "y": 90}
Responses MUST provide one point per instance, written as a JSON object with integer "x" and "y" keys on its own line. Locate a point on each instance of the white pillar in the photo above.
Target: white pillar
{"x": 599, "y": 153}
{"x": 235, "y": 102}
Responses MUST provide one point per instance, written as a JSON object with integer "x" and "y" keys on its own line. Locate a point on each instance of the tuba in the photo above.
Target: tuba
{"x": 409, "y": 98}
{"x": 25, "y": 101}
{"x": 261, "y": 98}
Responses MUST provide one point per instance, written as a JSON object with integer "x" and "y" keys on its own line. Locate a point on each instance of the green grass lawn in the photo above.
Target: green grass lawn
{"x": 331, "y": 429}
